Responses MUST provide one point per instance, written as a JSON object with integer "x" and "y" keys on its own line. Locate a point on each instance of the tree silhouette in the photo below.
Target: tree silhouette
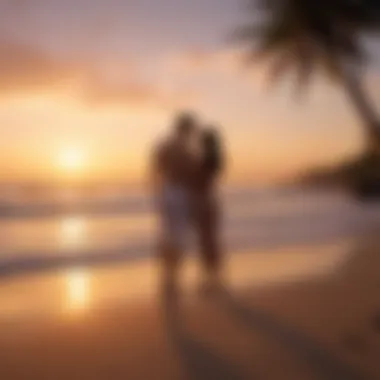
{"x": 301, "y": 37}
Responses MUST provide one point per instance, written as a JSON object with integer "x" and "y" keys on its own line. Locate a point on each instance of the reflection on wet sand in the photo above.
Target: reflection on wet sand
{"x": 296, "y": 307}
{"x": 78, "y": 290}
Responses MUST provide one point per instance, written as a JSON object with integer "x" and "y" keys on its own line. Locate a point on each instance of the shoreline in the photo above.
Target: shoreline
{"x": 243, "y": 269}
{"x": 34, "y": 263}
{"x": 249, "y": 225}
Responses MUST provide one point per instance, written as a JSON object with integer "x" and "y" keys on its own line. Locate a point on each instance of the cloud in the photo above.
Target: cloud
{"x": 26, "y": 69}
{"x": 227, "y": 60}
{"x": 101, "y": 92}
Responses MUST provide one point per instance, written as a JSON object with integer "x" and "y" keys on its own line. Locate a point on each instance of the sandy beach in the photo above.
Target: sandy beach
{"x": 307, "y": 312}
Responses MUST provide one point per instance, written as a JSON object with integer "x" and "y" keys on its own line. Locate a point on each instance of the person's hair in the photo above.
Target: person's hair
{"x": 185, "y": 123}
{"x": 213, "y": 159}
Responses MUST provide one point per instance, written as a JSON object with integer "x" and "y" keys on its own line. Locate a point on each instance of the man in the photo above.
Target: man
{"x": 174, "y": 165}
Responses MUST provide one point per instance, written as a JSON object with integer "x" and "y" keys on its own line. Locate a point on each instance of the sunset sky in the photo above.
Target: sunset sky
{"x": 88, "y": 86}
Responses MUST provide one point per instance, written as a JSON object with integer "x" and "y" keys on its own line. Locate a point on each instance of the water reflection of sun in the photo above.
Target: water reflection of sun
{"x": 78, "y": 284}
{"x": 72, "y": 231}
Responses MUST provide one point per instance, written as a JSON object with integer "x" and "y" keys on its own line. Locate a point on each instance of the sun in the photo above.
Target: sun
{"x": 71, "y": 159}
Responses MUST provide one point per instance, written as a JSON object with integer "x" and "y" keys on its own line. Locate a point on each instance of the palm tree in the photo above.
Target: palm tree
{"x": 303, "y": 36}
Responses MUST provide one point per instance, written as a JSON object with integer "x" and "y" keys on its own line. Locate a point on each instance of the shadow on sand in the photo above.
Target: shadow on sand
{"x": 198, "y": 361}
{"x": 320, "y": 362}
{"x": 201, "y": 363}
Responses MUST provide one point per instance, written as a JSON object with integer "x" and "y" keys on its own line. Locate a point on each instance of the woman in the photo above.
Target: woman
{"x": 208, "y": 211}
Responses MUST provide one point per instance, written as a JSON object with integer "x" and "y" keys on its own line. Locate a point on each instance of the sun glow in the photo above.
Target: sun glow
{"x": 71, "y": 159}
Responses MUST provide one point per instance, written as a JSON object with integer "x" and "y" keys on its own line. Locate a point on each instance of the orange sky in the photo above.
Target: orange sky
{"x": 84, "y": 97}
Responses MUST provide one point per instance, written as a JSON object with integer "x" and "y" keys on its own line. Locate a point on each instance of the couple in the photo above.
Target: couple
{"x": 186, "y": 169}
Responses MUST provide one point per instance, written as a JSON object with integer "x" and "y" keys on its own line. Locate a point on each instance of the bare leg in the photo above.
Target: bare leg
{"x": 210, "y": 251}
{"x": 210, "y": 239}
{"x": 170, "y": 258}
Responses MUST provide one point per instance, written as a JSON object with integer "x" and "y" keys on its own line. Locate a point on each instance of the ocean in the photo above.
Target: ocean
{"x": 49, "y": 233}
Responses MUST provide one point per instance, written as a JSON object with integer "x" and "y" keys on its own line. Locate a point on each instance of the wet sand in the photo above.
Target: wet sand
{"x": 309, "y": 312}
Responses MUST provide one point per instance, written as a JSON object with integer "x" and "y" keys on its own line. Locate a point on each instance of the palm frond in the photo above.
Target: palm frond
{"x": 304, "y": 66}
{"x": 302, "y": 35}
{"x": 280, "y": 64}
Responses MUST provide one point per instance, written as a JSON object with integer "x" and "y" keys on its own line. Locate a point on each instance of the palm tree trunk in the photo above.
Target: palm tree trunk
{"x": 364, "y": 107}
